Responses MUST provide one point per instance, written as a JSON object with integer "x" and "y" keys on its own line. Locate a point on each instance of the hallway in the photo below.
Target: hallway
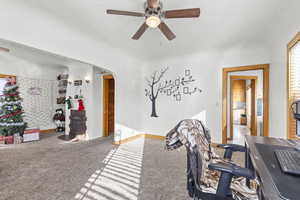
{"x": 239, "y": 132}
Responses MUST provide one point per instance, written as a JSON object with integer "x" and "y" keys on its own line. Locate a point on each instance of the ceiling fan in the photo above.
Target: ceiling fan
{"x": 154, "y": 15}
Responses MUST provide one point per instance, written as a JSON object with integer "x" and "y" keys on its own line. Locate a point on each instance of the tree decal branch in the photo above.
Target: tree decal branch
{"x": 174, "y": 88}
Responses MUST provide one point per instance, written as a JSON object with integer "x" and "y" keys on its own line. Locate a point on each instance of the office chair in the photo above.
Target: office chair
{"x": 295, "y": 110}
{"x": 210, "y": 177}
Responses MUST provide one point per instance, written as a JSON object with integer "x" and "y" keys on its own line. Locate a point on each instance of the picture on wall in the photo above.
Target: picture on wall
{"x": 34, "y": 91}
{"x": 176, "y": 88}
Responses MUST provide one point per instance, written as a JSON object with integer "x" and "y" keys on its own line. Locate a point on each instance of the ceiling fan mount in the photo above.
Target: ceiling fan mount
{"x": 153, "y": 11}
{"x": 154, "y": 17}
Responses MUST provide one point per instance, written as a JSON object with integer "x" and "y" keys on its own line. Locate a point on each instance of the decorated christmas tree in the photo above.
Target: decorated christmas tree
{"x": 11, "y": 119}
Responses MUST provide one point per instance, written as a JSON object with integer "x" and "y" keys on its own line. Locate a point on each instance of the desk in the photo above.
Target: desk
{"x": 255, "y": 161}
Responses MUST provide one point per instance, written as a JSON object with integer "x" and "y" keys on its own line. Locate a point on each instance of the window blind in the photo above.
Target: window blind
{"x": 294, "y": 86}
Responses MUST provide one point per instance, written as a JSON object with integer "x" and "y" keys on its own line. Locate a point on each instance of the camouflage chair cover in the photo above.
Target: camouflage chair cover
{"x": 195, "y": 137}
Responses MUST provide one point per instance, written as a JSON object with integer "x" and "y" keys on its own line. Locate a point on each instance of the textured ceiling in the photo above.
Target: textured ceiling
{"x": 222, "y": 23}
{"x": 36, "y": 56}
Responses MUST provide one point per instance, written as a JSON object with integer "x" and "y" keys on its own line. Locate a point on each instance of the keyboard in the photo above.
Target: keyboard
{"x": 289, "y": 161}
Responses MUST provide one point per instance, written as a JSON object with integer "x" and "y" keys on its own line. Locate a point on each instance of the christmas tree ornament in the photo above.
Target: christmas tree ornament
{"x": 11, "y": 119}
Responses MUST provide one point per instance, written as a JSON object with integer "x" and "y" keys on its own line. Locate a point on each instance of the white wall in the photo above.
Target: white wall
{"x": 33, "y": 75}
{"x": 132, "y": 109}
{"x": 207, "y": 66}
{"x": 97, "y": 103}
{"x": 37, "y": 31}
{"x": 12, "y": 65}
{"x": 207, "y": 70}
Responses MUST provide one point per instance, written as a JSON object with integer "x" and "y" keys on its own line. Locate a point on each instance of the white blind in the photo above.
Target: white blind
{"x": 294, "y": 85}
{"x": 295, "y": 71}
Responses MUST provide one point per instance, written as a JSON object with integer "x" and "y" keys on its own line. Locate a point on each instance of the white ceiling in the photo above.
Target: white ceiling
{"x": 36, "y": 56}
{"x": 223, "y": 23}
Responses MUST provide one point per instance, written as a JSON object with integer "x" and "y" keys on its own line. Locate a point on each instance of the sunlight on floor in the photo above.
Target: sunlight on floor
{"x": 119, "y": 179}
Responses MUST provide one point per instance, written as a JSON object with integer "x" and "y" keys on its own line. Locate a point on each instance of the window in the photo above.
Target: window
{"x": 2, "y": 84}
{"x": 3, "y": 80}
{"x": 293, "y": 84}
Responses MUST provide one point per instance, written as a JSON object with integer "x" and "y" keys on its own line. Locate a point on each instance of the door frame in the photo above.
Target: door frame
{"x": 6, "y": 76}
{"x": 106, "y": 79}
{"x": 253, "y": 104}
{"x": 266, "y": 75}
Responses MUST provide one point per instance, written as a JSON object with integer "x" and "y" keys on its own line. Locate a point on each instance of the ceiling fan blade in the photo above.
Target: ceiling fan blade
{"x": 153, "y": 3}
{"x": 184, "y": 13}
{"x": 127, "y": 13}
{"x": 166, "y": 31}
{"x": 140, "y": 32}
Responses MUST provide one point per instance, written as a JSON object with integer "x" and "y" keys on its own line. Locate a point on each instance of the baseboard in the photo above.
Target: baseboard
{"x": 127, "y": 139}
{"x": 149, "y": 136}
{"x": 156, "y": 137}
{"x": 48, "y": 131}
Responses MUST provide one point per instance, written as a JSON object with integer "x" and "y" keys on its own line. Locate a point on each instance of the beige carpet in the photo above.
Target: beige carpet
{"x": 53, "y": 169}
{"x": 164, "y": 172}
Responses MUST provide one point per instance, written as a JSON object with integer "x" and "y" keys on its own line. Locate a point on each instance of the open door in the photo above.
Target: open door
{"x": 108, "y": 105}
{"x": 262, "y": 104}
{"x": 243, "y": 118}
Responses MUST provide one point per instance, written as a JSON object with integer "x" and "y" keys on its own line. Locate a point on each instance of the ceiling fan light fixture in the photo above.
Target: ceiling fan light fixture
{"x": 153, "y": 21}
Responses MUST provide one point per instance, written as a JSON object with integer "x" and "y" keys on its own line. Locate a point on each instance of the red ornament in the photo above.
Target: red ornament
{"x": 81, "y": 106}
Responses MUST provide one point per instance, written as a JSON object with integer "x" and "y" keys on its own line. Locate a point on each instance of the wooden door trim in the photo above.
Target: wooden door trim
{"x": 105, "y": 102}
{"x": 253, "y": 99}
{"x": 266, "y": 73}
{"x": 234, "y": 77}
{"x": 6, "y": 76}
{"x": 253, "y": 107}
{"x": 290, "y": 45}
{"x": 231, "y": 110}
{"x": 106, "y": 79}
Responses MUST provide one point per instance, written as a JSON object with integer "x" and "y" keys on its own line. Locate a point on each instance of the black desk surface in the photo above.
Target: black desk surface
{"x": 270, "y": 184}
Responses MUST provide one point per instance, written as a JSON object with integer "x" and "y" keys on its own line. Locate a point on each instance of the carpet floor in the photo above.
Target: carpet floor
{"x": 54, "y": 169}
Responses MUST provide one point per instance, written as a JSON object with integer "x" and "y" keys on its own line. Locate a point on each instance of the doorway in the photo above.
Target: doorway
{"x": 243, "y": 117}
{"x": 260, "y": 107}
{"x": 108, "y": 105}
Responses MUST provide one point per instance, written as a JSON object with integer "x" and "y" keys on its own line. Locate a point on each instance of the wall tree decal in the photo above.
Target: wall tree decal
{"x": 154, "y": 90}
{"x": 173, "y": 88}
